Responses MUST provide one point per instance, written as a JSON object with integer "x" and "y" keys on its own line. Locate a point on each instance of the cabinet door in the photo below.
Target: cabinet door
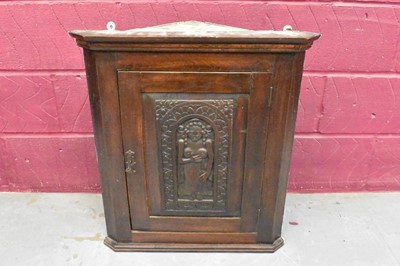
{"x": 194, "y": 146}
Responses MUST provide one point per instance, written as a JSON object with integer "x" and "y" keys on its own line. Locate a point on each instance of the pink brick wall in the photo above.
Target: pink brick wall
{"x": 348, "y": 124}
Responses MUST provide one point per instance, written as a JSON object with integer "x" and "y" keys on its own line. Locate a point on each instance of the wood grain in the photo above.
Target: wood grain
{"x": 194, "y": 82}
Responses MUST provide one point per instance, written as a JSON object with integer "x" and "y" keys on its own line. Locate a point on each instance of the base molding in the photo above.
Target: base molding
{"x": 181, "y": 247}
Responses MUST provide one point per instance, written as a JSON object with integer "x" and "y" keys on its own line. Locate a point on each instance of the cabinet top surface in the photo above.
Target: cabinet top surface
{"x": 194, "y": 32}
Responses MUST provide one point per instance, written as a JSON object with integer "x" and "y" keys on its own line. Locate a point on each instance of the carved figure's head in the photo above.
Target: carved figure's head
{"x": 195, "y": 133}
{"x": 195, "y": 130}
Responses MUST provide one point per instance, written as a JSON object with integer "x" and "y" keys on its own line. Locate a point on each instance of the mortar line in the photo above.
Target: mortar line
{"x": 346, "y": 135}
{"x": 310, "y": 73}
{"x": 47, "y": 135}
{"x": 301, "y": 135}
{"x": 38, "y": 72}
{"x": 353, "y": 3}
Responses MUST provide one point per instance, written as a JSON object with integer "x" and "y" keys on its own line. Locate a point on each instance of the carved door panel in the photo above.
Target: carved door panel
{"x": 191, "y": 162}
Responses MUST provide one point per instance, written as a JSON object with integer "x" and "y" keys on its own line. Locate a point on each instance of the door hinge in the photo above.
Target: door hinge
{"x": 130, "y": 162}
{"x": 271, "y": 89}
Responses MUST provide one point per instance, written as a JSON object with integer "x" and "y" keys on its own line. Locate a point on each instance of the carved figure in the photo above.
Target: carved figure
{"x": 215, "y": 118}
{"x": 195, "y": 160}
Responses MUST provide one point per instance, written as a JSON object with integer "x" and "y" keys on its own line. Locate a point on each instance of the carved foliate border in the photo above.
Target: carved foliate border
{"x": 220, "y": 114}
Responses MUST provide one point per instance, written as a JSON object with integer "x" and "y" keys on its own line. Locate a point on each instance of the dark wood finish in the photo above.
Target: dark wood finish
{"x": 194, "y": 224}
{"x": 255, "y": 148}
{"x": 194, "y": 133}
{"x": 190, "y": 247}
{"x": 133, "y": 140}
{"x": 194, "y": 82}
{"x": 193, "y": 237}
{"x": 196, "y": 62}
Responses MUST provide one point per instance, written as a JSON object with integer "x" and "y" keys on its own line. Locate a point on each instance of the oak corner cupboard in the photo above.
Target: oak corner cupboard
{"x": 194, "y": 126}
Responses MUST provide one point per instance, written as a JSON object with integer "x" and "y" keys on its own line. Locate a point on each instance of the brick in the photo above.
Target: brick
{"x": 310, "y": 103}
{"x": 3, "y": 165}
{"x": 187, "y": 11}
{"x": 362, "y": 37}
{"x": 164, "y": 12}
{"x": 210, "y": 12}
{"x": 50, "y": 163}
{"x": 35, "y": 38}
{"x": 27, "y": 104}
{"x": 361, "y": 105}
{"x": 44, "y": 103}
{"x": 330, "y": 164}
{"x": 384, "y": 173}
{"x": 72, "y": 103}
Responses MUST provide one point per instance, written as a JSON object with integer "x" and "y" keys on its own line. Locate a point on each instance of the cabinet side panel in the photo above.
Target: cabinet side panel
{"x": 280, "y": 135}
{"x": 297, "y": 74}
{"x": 104, "y": 104}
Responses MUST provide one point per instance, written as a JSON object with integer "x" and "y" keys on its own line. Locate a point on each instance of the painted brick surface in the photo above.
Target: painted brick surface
{"x": 361, "y": 105}
{"x": 384, "y": 171}
{"x": 4, "y": 184}
{"x": 50, "y": 163}
{"x": 72, "y": 103}
{"x": 324, "y": 164}
{"x": 354, "y": 38}
{"x": 27, "y": 104}
{"x": 345, "y": 164}
{"x": 348, "y": 118}
{"x": 45, "y": 103}
{"x": 310, "y": 103}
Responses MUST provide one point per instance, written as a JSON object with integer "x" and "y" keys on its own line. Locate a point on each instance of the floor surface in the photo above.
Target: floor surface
{"x": 319, "y": 229}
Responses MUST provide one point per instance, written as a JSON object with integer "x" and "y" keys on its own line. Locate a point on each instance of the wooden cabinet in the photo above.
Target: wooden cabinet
{"x": 194, "y": 126}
